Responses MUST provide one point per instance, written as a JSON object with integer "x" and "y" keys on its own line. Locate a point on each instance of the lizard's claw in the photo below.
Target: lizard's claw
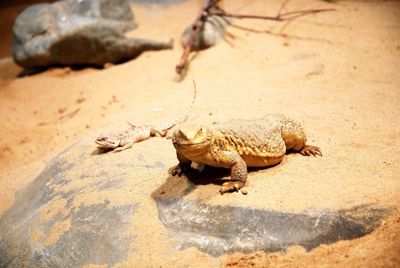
{"x": 232, "y": 186}
{"x": 309, "y": 150}
{"x": 177, "y": 171}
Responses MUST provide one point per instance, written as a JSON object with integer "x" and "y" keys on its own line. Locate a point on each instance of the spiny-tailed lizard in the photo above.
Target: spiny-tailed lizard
{"x": 125, "y": 140}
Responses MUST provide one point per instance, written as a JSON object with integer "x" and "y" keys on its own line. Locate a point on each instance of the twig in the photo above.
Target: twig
{"x": 196, "y": 26}
{"x": 283, "y": 6}
{"x": 212, "y": 8}
{"x": 277, "y": 34}
{"x": 279, "y": 17}
{"x": 250, "y": 29}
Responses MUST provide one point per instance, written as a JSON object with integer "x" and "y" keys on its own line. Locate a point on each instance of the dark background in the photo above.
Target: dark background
{"x": 9, "y": 10}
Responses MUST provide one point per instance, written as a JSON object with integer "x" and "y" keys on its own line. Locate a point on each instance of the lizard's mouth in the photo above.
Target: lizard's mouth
{"x": 190, "y": 144}
{"x": 104, "y": 143}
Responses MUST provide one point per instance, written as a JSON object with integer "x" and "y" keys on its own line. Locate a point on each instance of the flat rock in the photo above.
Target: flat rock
{"x": 91, "y": 208}
{"x": 221, "y": 229}
{"x": 78, "y": 32}
{"x": 52, "y": 223}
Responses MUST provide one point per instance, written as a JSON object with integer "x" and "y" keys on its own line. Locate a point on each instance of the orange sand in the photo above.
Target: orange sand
{"x": 336, "y": 72}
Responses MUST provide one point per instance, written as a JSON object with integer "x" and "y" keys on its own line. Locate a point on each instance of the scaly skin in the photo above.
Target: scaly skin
{"x": 125, "y": 140}
{"x": 239, "y": 144}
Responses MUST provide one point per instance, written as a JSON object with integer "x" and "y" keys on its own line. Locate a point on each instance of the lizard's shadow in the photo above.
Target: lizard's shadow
{"x": 209, "y": 175}
{"x": 102, "y": 151}
{"x": 179, "y": 186}
{"x": 213, "y": 175}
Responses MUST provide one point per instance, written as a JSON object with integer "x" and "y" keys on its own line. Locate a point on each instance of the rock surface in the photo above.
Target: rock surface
{"x": 221, "y": 229}
{"x": 83, "y": 209}
{"x": 51, "y": 225}
{"x": 218, "y": 230}
{"x": 84, "y": 32}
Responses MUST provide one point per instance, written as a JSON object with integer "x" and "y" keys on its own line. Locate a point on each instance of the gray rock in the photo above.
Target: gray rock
{"x": 89, "y": 208}
{"x": 87, "y": 32}
{"x": 45, "y": 229}
{"x": 217, "y": 230}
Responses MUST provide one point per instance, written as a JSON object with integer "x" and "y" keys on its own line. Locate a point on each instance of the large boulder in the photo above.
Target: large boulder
{"x": 90, "y": 208}
{"x": 88, "y": 32}
{"x": 221, "y": 229}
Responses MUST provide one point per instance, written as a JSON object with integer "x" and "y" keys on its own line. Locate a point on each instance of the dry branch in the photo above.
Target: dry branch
{"x": 212, "y": 8}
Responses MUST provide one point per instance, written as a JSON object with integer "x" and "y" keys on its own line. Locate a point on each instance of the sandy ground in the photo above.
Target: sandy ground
{"x": 336, "y": 72}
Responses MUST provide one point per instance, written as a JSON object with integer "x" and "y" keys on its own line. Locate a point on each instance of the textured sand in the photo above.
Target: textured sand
{"x": 336, "y": 72}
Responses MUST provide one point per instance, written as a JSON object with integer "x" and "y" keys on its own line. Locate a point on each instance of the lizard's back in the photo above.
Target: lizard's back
{"x": 261, "y": 142}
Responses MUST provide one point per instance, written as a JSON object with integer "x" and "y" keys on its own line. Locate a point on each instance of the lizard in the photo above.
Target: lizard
{"x": 239, "y": 144}
{"x": 125, "y": 140}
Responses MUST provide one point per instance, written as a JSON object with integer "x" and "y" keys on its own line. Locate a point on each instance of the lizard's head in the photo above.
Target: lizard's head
{"x": 191, "y": 137}
{"x": 107, "y": 142}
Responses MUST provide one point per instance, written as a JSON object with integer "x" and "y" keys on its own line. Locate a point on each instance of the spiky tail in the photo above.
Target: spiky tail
{"x": 182, "y": 118}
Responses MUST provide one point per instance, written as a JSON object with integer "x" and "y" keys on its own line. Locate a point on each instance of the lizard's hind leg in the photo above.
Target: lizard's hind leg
{"x": 309, "y": 150}
{"x": 295, "y": 138}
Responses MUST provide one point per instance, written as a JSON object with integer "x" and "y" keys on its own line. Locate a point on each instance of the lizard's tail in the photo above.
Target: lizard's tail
{"x": 182, "y": 118}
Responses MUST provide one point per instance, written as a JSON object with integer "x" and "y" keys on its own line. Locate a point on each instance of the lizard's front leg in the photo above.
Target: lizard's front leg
{"x": 238, "y": 168}
{"x": 126, "y": 146}
{"x": 183, "y": 165}
{"x": 154, "y": 132}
